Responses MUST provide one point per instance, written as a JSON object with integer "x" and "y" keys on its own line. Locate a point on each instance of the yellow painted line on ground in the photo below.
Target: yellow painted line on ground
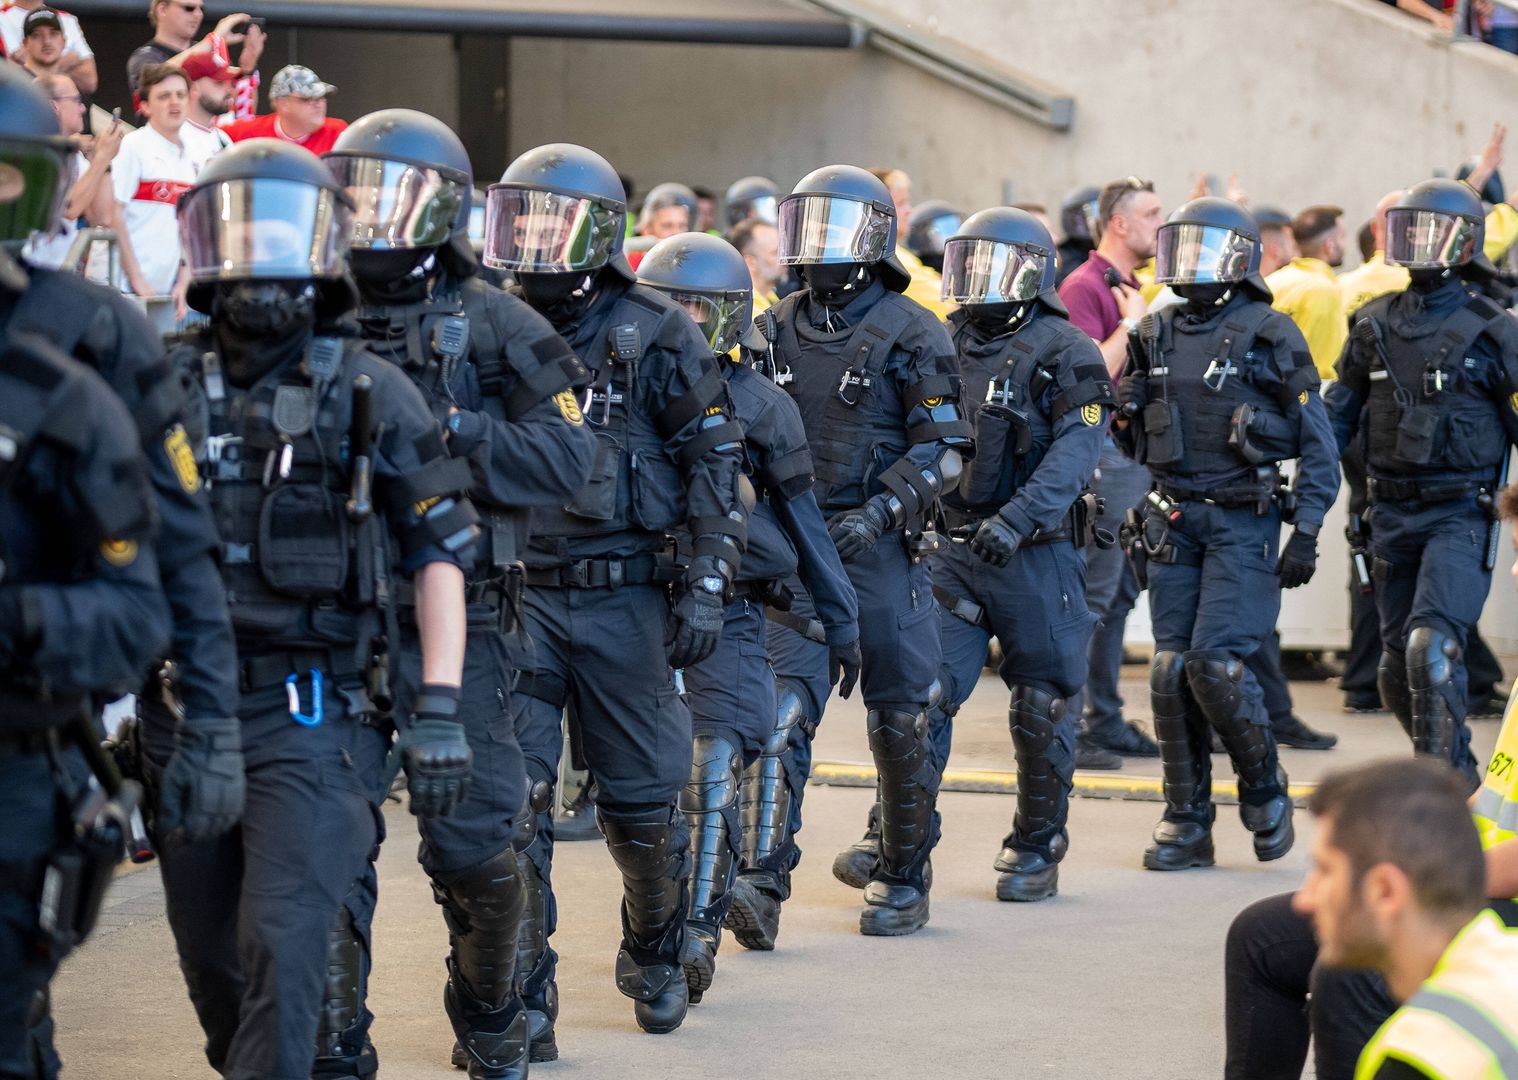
{"x": 1003, "y": 781}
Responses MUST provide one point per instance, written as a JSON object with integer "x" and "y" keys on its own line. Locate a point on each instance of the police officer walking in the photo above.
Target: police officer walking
{"x": 318, "y": 455}
{"x": 667, "y": 453}
{"x": 1428, "y": 383}
{"x": 1020, "y": 519}
{"x": 876, "y": 381}
{"x": 740, "y": 728}
{"x": 524, "y": 444}
{"x": 1220, "y": 389}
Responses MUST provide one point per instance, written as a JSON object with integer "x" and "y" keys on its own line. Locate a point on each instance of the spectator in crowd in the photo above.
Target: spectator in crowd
{"x": 89, "y": 196}
{"x": 669, "y": 209}
{"x": 153, "y": 169}
{"x": 1431, "y": 13}
{"x": 1365, "y": 239}
{"x": 175, "y": 24}
{"x": 759, "y": 243}
{"x": 1128, "y": 219}
{"x": 926, "y": 286}
{"x": 1038, "y": 210}
{"x": 299, "y": 100}
{"x": 212, "y": 92}
{"x": 1277, "y": 246}
{"x": 1305, "y": 288}
{"x": 1374, "y": 277}
{"x": 706, "y": 209}
{"x": 75, "y": 58}
{"x": 1498, "y": 24}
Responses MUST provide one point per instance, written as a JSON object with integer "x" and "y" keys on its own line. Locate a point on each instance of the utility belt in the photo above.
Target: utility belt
{"x": 1424, "y": 492}
{"x": 1078, "y": 526}
{"x": 503, "y": 595}
{"x": 1260, "y": 493}
{"x": 610, "y": 573}
{"x": 271, "y": 669}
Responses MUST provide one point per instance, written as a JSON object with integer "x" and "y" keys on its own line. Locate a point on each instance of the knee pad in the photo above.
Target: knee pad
{"x": 488, "y": 892}
{"x": 539, "y": 800}
{"x": 936, "y": 695}
{"x": 715, "y": 768}
{"x": 1167, "y": 686}
{"x": 1431, "y": 658}
{"x": 894, "y": 733}
{"x": 645, "y": 844}
{"x": 1033, "y": 716}
{"x": 789, "y": 713}
{"x": 1216, "y": 679}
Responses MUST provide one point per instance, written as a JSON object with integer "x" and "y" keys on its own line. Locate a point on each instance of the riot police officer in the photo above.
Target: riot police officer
{"x": 526, "y": 444}
{"x": 201, "y": 795}
{"x": 877, "y": 384}
{"x": 740, "y": 726}
{"x": 933, "y": 222}
{"x": 1428, "y": 383}
{"x": 1220, "y": 389}
{"x": 318, "y": 457}
{"x": 1020, "y": 519}
{"x": 667, "y": 453}
{"x": 1077, "y": 217}
{"x": 751, "y": 197}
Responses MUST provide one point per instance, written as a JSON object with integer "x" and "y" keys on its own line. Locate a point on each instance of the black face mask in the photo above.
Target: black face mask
{"x": 835, "y": 284}
{"x": 1205, "y": 294}
{"x": 261, "y": 325}
{"x": 384, "y": 272}
{"x": 996, "y": 317}
{"x": 560, "y": 298}
{"x": 1428, "y": 278}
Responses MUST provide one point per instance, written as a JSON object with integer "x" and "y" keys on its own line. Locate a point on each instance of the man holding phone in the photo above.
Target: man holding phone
{"x": 175, "y": 24}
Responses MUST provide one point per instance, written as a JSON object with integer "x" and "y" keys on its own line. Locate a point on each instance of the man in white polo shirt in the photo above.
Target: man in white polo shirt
{"x": 153, "y": 169}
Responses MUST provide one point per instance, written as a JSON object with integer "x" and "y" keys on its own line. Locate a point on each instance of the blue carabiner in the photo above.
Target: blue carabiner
{"x": 314, "y": 718}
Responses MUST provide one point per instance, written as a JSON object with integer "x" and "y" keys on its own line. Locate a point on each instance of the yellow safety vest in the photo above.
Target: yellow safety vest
{"x": 1462, "y": 1024}
{"x": 1496, "y": 806}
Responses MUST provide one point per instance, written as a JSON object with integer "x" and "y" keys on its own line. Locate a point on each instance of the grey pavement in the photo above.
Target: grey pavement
{"x": 1118, "y": 976}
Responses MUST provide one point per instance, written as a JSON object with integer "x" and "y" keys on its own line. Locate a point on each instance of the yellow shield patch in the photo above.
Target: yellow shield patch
{"x": 1513, "y": 402}
{"x": 1302, "y": 398}
{"x": 932, "y": 402}
{"x": 569, "y": 408}
{"x": 177, "y": 445}
{"x": 119, "y": 552}
{"x": 1091, "y": 415}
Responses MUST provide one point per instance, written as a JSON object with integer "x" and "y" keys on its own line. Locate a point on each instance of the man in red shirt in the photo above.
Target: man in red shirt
{"x": 300, "y": 113}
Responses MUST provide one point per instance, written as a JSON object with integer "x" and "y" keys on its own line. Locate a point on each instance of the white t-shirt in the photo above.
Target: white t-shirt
{"x": 149, "y": 175}
{"x": 48, "y": 250}
{"x": 204, "y": 143}
{"x": 13, "y": 17}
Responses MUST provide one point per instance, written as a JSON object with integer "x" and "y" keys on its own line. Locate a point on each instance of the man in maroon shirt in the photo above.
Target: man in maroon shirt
{"x": 1129, "y": 218}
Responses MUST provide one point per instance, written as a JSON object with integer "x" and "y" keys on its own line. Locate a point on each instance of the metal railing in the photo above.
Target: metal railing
{"x": 95, "y": 254}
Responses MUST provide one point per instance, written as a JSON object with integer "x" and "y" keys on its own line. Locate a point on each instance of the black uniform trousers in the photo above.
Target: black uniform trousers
{"x": 601, "y": 651}
{"x": 251, "y": 910}
{"x": 732, "y": 692}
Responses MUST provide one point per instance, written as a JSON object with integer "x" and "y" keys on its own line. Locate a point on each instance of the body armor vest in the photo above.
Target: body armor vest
{"x": 299, "y": 572}
{"x": 854, "y": 415}
{"x": 1199, "y": 382}
{"x": 1424, "y": 413}
{"x": 780, "y": 464}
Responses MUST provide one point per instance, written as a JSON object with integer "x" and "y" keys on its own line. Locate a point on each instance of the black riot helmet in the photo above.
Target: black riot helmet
{"x": 34, "y": 159}
{"x": 558, "y": 209}
{"x": 1436, "y": 225}
{"x": 842, "y": 215}
{"x": 1209, "y": 241}
{"x": 752, "y": 197}
{"x": 266, "y": 210}
{"x": 410, "y": 180}
{"x": 933, "y": 222}
{"x": 706, "y": 276}
{"x": 1001, "y": 256}
{"x": 1078, "y": 216}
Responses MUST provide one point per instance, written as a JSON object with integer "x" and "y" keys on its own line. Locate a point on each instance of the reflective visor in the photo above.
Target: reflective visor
{"x": 765, "y": 208}
{"x": 1425, "y": 239}
{"x": 721, "y": 319}
{"x": 33, "y": 180}
{"x": 397, "y": 205}
{"x": 545, "y": 232}
{"x": 264, "y": 228}
{"x": 1195, "y": 254}
{"x": 822, "y": 229}
{"x": 935, "y": 234}
{"x": 978, "y": 271}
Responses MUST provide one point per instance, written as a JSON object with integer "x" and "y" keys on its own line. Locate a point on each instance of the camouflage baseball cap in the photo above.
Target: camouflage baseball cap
{"x": 297, "y": 81}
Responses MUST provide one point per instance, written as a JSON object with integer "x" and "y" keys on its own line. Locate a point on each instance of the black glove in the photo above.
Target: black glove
{"x": 1298, "y": 560}
{"x": 435, "y": 753}
{"x": 995, "y": 542}
{"x": 857, "y": 531}
{"x": 698, "y": 614}
{"x": 1133, "y": 394}
{"x": 200, "y": 795}
{"x": 843, "y": 666}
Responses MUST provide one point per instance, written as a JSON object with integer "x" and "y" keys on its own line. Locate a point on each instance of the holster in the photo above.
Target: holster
{"x": 80, "y": 868}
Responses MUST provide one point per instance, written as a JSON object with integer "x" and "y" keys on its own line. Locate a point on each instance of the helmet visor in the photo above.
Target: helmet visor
{"x": 1427, "y": 239}
{"x": 765, "y": 208}
{"x": 932, "y": 235}
{"x": 545, "y": 232}
{"x": 33, "y": 179}
{"x": 721, "y": 318}
{"x": 397, "y": 206}
{"x": 979, "y": 271}
{"x": 264, "y": 228}
{"x": 1190, "y": 254}
{"x": 823, "y": 229}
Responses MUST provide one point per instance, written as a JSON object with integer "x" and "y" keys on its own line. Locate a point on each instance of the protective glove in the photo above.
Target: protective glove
{"x": 996, "y": 541}
{"x": 843, "y": 666}
{"x": 698, "y": 614}
{"x": 1132, "y": 394}
{"x": 1299, "y": 560}
{"x": 856, "y": 532}
{"x": 200, "y": 795}
{"x": 435, "y": 753}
